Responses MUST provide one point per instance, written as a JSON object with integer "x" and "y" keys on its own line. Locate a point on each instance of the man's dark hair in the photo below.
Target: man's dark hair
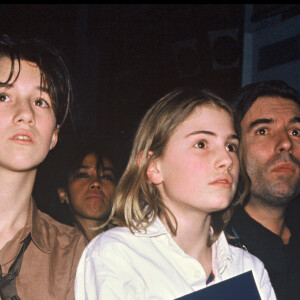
{"x": 246, "y": 96}
{"x": 54, "y": 73}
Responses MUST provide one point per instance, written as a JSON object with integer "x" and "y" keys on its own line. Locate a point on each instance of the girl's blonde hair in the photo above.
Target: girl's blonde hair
{"x": 137, "y": 201}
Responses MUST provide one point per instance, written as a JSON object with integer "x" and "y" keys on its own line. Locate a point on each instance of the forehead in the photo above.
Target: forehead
{"x": 91, "y": 160}
{"x": 207, "y": 117}
{"x": 272, "y": 107}
{"x": 205, "y": 112}
{"x": 28, "y": 70}
{"x": 5, "y": 67}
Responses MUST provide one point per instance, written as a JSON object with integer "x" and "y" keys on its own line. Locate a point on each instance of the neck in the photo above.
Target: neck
{"x": 15, "y": 195}
{"x": 86, "y": 227}
{"x": 192, "y": 236}
{"x": 270, "y": 217}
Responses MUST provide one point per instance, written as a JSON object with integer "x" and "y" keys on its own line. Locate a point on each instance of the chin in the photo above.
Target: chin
{"x": 222, "y": 205}
{"x": 97, "y": 216}
{"x": 285, "y": 190}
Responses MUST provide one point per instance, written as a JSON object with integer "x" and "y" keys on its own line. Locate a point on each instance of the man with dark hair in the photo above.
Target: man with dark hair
{"x": 269, "y": 114}
{"x": 38, "y": 255}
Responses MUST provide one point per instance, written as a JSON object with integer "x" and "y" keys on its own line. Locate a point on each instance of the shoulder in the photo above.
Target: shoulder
{"x": 112, "y": 238}
{"x": 114, "y": 247}
{"x": 238, "y": 259}
{"x": 49, "y": 233}
{"x": 244, "y": 261}
{"x": 247, "y": 259}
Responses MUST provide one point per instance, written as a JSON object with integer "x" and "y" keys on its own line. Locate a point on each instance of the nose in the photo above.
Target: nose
{"x": 24, "y": 114}
{"x": 284, "y": 142}
{"x": 224, "y": 160}
{"x": 95, "y": 183}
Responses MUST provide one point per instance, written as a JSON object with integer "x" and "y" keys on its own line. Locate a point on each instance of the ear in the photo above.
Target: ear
{"x": 139, "y": 158}
{"x": 62, "y": 195}
{"x": 154, "y": 173}
{"x": 54, "y": 137}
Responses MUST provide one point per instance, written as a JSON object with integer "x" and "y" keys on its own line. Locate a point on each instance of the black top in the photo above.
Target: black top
{"x": 281, "y": 261}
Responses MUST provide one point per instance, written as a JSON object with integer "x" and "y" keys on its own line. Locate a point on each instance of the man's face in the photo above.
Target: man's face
{"x": 271, "y": 141}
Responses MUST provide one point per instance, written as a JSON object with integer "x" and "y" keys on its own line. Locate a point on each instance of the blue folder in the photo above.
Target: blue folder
{"x": 240, "y": 287}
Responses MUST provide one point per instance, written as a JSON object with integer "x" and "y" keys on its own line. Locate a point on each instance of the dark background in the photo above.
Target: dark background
{"x": 124, "y": 57}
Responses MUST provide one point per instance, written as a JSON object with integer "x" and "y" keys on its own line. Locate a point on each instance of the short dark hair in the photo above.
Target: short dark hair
{"x": 246, "y": 96}
{"x": 54, "y": 72}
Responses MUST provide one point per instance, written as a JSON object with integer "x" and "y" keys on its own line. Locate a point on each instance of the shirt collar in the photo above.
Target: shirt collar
{"x": 155, "y": 229}
{"x": 34, "y": 224}
{"x": 221, "y": 254}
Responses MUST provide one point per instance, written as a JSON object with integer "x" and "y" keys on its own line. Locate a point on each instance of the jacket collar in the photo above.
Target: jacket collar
{"x": 34, "y": 225}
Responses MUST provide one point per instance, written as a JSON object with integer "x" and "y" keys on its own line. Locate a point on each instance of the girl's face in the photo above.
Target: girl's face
{"x": 199, "y": 168}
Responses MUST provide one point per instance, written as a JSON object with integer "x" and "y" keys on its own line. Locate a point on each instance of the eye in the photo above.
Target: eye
{"x": 108, "y": 177}
{"x": 232, "y": 148}
{"x": 4, "y": 98}
{"x": 201, "y": 145}
{"x": 295, "y": 132}
{"x": 81, "y": 175}
{"x": 41, "y": 103}
{"x": 262, "y": 131}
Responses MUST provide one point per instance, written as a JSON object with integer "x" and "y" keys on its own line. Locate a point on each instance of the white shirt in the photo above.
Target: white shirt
{"x": 150, "y": 265}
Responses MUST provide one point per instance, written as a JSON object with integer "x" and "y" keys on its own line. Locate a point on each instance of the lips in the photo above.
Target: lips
{"x": 95, "y": 197}
{"x": 23, "y": 137}
{"x": 285, "y": 168}
{"x": 222, "y": 181}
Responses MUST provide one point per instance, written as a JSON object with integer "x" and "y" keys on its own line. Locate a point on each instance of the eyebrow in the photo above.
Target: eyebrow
{"x": 269, "y": 121}
{"x": 44, "y": 89}
{"x": 6, "y": 85}
{"x": 232, "y": 136}
{"x": 10, "y": 85}
{"x": 103, "y": 169}
{"x": 259, "y": 122}
{"x": 295, "y": 120}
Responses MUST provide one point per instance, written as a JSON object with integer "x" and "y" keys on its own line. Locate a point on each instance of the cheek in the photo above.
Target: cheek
{"x": 109, "y": 190}
{"x": 48, "y": 126}
{"x": 257, "y": 156}
{"x": 76, "y": 190}
{"x": 196, "y": 169}
{"x": 235, "y": 168}
{"x": 258, "y": 148}
{"x": 296, "y": 149}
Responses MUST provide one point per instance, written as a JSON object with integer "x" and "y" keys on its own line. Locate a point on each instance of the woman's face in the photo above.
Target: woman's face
{"x": 198, "y": 171}
{"x": 90, "y": 190}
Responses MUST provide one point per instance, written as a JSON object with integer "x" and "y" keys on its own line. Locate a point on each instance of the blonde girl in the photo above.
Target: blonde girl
{"x": 171, "y": 206}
